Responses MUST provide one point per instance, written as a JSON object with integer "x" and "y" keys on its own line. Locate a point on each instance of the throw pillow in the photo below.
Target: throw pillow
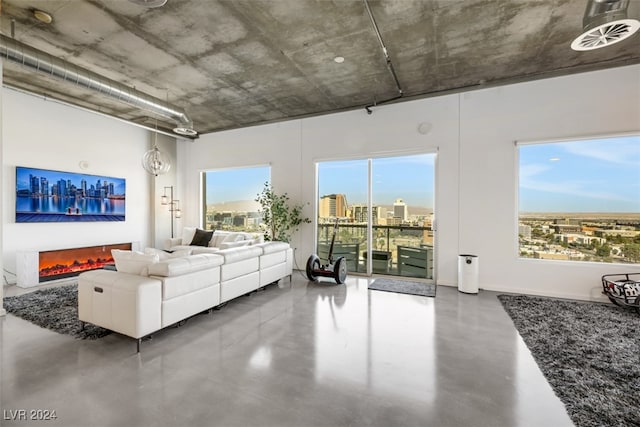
{"x": 233, "y": 237}
{"x": 238, "y": 244}
{"x": 187, "y": 235}
{"x": 201, "y": 238}
{"x": 133, "y": 262}
{"x": 218, "y": 237}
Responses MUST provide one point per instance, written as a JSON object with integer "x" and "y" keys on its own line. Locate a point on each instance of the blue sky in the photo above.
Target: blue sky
{"x": 236, "y": 184}
{"x": 597, "y": 175}
{"x": 410, "y": 178}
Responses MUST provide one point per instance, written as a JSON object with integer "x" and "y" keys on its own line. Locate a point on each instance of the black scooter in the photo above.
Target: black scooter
{"x": 337, "y": 270}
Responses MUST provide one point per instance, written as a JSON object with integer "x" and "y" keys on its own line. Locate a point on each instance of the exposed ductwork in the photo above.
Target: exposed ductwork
{"x": 43, "y": 62}
{"x": 605, "y": 22}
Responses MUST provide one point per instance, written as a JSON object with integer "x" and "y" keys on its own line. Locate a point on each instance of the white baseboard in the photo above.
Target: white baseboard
{"x": 594, "y": 296}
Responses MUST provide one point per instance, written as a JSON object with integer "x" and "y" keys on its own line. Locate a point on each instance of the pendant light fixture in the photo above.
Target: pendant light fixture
{"x": 155, "y": 161}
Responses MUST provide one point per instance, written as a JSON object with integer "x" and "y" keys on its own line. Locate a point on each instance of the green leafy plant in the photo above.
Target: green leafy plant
{"x": 279, "y": 218}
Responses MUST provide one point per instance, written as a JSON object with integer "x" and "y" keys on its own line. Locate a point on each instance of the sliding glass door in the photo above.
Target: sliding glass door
{"x": 383, "y": 209}
{"x": 343, "y": 192}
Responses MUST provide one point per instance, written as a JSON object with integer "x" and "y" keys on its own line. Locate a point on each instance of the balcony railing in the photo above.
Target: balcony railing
{"x": 400, "y": 250}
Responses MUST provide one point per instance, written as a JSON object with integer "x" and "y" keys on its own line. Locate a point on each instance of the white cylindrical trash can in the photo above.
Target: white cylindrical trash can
{"x": 468, "y": 273}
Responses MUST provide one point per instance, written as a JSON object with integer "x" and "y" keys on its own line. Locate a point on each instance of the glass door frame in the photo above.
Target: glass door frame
{"x": 369, "y": 159}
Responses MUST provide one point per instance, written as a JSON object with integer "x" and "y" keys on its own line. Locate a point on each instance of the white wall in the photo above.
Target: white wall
{"x": 2, "y": 309}
{"x": 597, "y": 103}
{"x": 48, "y": 135}
{"x": 161, "y": 220}
{"x": 277, "y": 145}
{"x": 476, "y": 180}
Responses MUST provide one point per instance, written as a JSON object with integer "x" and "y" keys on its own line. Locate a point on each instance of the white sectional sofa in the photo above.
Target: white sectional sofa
{"x": 220, "y": 240}
{"x": 147, "y": 293}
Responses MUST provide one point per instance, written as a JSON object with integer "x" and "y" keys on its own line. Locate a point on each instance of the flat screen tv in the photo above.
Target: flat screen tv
{"x": 44, "y": 195}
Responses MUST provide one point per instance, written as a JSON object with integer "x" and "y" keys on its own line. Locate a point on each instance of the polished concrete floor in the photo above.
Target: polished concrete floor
{"x": 295, "y": 354}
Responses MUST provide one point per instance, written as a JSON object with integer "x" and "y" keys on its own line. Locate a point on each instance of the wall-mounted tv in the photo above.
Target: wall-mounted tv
{"x": 44, "y": 195}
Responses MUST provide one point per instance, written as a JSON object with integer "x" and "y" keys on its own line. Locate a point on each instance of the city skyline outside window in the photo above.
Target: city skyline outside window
{"x": 580, "y": 200}
{"x": 229, "y": 198}
{"x": 389, "y": 179}
{"x": 402, "y": 194}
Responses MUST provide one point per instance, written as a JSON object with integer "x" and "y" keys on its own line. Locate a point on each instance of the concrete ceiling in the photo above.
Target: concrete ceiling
{"x": 238, "y": 63}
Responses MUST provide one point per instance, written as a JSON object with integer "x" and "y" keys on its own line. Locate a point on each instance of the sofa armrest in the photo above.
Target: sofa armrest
{"x": 122, "y": 302}
{"x": 171, "y": 242}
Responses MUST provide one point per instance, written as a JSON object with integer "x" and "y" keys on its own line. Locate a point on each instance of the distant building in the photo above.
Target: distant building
{"x": 239, "y": 220}
{"x": 44, "y": 186}
{"x": 567, "y": 228}
{"x": 579, "y": 238}
{"x": 333, "y": 206}
{"x": 359, "y": 213}
{"x": 400, "y": 210}
{"x": 622, "y": 233}
{"x": 524, "y": 230}
{"x": 567, "y": 221}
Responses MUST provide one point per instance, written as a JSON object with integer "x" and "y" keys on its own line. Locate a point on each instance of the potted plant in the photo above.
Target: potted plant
{"x": 279, "y": 218}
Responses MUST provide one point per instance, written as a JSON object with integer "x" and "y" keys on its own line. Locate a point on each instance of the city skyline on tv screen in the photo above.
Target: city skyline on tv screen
{"x": 44, "y": 195}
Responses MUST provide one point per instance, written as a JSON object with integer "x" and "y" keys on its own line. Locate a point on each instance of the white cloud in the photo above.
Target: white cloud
{"x": 624, "y": 151}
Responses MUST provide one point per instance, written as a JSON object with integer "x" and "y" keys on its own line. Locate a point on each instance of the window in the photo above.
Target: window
{"x": 384, "y": 209}
{"x": 580, "y": 200}
{"x": 229, "y": 198}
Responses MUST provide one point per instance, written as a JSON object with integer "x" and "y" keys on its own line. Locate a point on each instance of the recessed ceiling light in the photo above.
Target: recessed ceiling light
{"x": 338, "y": 59}
{"x": 42, "y": 16}
{"x": 149, "y": 3}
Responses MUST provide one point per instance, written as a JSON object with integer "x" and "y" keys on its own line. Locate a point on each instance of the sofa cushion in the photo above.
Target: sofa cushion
{"x": 271, "y": 247}
{"x": 185, "y": 285}
{"x": 201, "y": 238}
{"x": 218, "y": 237}
{"x": 207, "y": 250}
{"x": 274, "y": 258}
{"x": 178, "y": 266}
{"x": 187, "y": 235}
{"x": 234, "y": 237}
{"x": 238, "y": 254}
{"x": 238, "y": 244}
{"x": 133, "y": 262}
{"x": 257, "y": 239}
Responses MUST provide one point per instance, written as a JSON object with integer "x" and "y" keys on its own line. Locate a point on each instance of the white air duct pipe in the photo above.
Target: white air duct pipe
{"x": 43, "y": 62}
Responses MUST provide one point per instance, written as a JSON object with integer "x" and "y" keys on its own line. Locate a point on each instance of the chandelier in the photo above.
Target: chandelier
{"x": 155, "y": 161}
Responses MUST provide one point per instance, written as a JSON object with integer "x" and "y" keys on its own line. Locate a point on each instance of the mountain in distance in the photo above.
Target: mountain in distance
{"x": 582, "y": 215}
{"x": 253, "y": 206}
{"x": 235, "y": 206}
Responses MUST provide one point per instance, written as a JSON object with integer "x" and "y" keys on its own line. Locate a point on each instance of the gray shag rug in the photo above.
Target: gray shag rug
{"x": 589, "y": 353}
{"x": 55, "y": 309}
{"x": 403, "y": 287}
